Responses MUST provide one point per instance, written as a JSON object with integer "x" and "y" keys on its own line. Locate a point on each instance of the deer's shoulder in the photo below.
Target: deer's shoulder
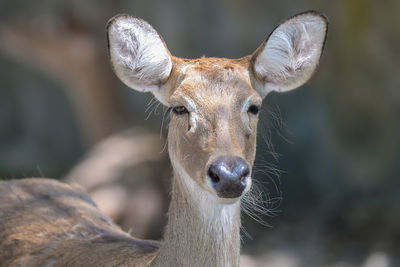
{"x": 41, "y": 219}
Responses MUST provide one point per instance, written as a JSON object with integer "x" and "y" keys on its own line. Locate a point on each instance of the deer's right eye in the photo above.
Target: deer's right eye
{"x": 179, "y": 110}
{"x": 253, "y": 109}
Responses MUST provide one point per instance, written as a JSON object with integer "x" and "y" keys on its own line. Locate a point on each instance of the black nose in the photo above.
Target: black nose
{"x": 229, "y": 176}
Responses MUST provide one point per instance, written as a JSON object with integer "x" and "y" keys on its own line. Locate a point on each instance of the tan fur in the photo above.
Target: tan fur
{"x": 46, "y": 223}
{"x": 219, "y": 87}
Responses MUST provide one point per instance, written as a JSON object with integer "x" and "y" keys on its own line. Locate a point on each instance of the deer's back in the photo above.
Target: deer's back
{"x": 45, "y": 222}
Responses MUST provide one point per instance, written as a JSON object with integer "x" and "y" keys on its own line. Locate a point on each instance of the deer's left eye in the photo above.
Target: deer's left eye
{"x": 179, "y": 110}
{"x": 253, "y": 109}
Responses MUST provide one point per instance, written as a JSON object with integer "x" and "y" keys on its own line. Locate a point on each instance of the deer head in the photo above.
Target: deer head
{"x": 215, "y": 101}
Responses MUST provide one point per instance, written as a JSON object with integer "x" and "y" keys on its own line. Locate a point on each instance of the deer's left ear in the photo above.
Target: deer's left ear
{"x": 290, "y": 55}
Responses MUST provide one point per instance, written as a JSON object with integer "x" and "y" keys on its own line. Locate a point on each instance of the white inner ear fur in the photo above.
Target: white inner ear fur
{"x": 288, "y": 58}
{"x": 138, "y": 54}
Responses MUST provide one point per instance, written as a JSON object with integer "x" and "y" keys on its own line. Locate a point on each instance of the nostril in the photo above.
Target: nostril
{"x": 214, "y": 177}
{"x": 245, "y": 174}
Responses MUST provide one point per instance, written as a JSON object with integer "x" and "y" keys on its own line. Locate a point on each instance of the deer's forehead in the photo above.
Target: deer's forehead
{"x": 213, "y": 84}
{"x": 214, "y": 70}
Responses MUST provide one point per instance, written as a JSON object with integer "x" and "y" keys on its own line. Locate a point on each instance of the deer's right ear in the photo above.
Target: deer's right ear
{"x": 138, "y": 55}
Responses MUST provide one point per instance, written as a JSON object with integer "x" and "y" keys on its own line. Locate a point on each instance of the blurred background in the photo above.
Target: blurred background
{"x": 331, "y": 176}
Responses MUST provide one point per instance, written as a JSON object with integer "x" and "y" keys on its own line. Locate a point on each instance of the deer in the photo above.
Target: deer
{"x": 214, "y": 105}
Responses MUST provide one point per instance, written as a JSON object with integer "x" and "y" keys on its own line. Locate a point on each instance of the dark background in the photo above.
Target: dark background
{"x": 338, "y": 137}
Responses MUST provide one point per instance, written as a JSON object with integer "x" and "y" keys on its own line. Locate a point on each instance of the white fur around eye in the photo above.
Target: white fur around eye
{"x": 138, "y": 54}
{"x": 288, "y": 58}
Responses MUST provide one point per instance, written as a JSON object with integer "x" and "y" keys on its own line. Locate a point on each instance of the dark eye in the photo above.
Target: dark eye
{"x": 179, "y": 110}
{"x": 253, "y": 109}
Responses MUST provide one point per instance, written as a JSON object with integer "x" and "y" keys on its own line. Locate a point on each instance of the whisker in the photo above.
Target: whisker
{"x": 166, "y": 110}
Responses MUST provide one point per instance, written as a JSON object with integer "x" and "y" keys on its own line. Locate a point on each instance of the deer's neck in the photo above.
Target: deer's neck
{"x": 200, "y": 231}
